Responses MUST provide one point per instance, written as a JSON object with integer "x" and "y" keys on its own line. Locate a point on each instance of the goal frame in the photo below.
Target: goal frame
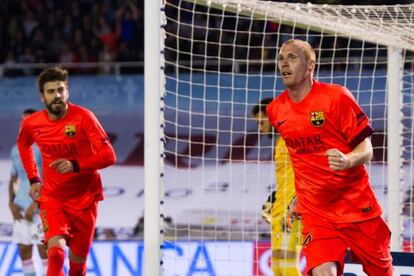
{"x": 154, "y": 92}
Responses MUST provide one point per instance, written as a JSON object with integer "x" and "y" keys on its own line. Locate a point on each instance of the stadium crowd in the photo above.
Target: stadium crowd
{"x": 82, "y": 31}
{"x": 78, "y": 31}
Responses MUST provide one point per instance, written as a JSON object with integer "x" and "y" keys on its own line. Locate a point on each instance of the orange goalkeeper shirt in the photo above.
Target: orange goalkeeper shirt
{"x": 328, "y": 117}
{"x": 78, "y": 136}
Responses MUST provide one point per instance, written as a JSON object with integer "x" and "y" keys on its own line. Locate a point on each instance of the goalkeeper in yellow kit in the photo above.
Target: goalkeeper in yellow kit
{"x": 286, "y": 235}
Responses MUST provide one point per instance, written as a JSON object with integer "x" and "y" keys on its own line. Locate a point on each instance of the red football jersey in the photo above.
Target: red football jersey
{"x": 328, "y": 117}
{"x": 77, "y": 136}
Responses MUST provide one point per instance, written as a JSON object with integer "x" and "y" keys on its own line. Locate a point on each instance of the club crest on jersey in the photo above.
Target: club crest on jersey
{"x": 317, "y": 118}
{"x": 70, "y": 130}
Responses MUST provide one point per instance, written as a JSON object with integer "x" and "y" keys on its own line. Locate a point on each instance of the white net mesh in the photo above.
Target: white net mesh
{"x": 220, "y": 60}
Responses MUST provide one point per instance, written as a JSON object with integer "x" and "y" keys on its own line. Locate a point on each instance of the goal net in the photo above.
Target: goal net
{"x": 219, "y": 60}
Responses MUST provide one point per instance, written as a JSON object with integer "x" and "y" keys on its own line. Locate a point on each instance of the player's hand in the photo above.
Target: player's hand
{"x": 15, "y": 210}
{"x": 62, "y": 166}
{"x": 35, "y": 190}
{"x": 291, "y": 214}
{"x": 30, "y": 211}
{"x": 337, "y": 160}
{"x": 267, "y": 207}
{"x": 267, "y": 212}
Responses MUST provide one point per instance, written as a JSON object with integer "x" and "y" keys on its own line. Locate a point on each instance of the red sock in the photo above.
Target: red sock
{"x": 56, "y": 256}
{"x": 76, "y": 269}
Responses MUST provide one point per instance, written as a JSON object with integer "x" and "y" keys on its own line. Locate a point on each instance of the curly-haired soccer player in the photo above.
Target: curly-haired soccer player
{"x": 73, "y": 146}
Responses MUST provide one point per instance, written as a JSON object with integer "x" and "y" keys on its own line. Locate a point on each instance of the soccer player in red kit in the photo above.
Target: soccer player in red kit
{"x": 73, "y": 146}
{"x": 328, "y": 138}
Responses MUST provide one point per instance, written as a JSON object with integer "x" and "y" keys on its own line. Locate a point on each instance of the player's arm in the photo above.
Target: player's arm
{"x": 292, "y": 213}
{"x": 353, "y": 124}
{"x": 25, "y": 146}
{"x": 267, "y": 207}
{"x": 361, "y": 154}
{"x": 104, "y": 153}
{"x": 15, "y": 210}
{"x": 30, "y": 211}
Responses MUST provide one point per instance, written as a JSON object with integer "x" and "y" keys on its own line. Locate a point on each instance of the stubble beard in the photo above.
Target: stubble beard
{"x": 57, "y": 111}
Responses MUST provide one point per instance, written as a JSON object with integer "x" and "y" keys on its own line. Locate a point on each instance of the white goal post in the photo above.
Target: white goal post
{"x": 207, "y": 62}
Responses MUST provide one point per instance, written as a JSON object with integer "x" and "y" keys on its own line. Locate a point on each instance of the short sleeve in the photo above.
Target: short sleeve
{"x": 353, "y": 122}
{"x": 13, "y": 154}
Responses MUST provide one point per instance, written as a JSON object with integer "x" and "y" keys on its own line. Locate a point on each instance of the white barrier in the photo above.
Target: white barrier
{"x": 124, "y": 258}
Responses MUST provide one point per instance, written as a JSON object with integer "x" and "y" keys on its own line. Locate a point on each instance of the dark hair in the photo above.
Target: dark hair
{"x": 261, "y": 106}
{"x": 29, "y": 111}
{"x": 51, "y": 74}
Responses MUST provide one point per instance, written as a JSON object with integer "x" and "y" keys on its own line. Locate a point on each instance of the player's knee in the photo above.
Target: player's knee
{"x": 57, "y": 241}
{"x": 25, "y": 252}
{"x": 325, "y": 269}
{"x": 56, "y": 255}
{"x": 75, "y": 258}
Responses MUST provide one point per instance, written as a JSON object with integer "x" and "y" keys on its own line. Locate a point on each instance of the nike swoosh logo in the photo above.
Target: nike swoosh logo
{"x": 279, "y": 123}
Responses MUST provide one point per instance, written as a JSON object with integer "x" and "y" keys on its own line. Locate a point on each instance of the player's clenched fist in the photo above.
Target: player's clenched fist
{"x": 35, "y": 190}
{"x": 337, "y": 160}
{"x": 62, "y": 166}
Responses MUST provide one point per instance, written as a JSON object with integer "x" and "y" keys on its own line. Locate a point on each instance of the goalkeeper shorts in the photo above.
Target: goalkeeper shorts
{"x": 287, "y": 241}
{"x": 369, "y": 241}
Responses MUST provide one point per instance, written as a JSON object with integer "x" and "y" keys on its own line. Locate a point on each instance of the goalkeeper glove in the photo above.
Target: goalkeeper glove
{"x": 267, "y": 207}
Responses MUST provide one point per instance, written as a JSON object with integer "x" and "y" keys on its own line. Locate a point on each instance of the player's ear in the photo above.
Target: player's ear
{"x": 42, "y": 97}
{"x": 311, "y": 65}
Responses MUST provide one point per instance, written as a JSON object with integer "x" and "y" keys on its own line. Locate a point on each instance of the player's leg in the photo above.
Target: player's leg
{"x": 55, "y": 229}
{"x": 286, "y": 250}
{"x": 56, "y": 255}
{"x": 324, "y": 250}
{"x": 82, "y": 239}
{"x": 77, "y": 264}
{"x": 22, "y": 237}
{"x": 370, "y": 242}
{"x": 25, "y": 252}
{"x": 42, "y": 250}
{"x": 326, "y": 269}
{"x": 38, "y": 237}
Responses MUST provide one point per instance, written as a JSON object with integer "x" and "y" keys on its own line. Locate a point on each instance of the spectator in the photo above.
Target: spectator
{"x": 31, "y": 33}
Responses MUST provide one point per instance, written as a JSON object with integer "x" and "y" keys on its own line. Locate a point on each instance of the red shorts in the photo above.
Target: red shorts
{"x": 77, "y": 226}
{"x": 368, "y": 240}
